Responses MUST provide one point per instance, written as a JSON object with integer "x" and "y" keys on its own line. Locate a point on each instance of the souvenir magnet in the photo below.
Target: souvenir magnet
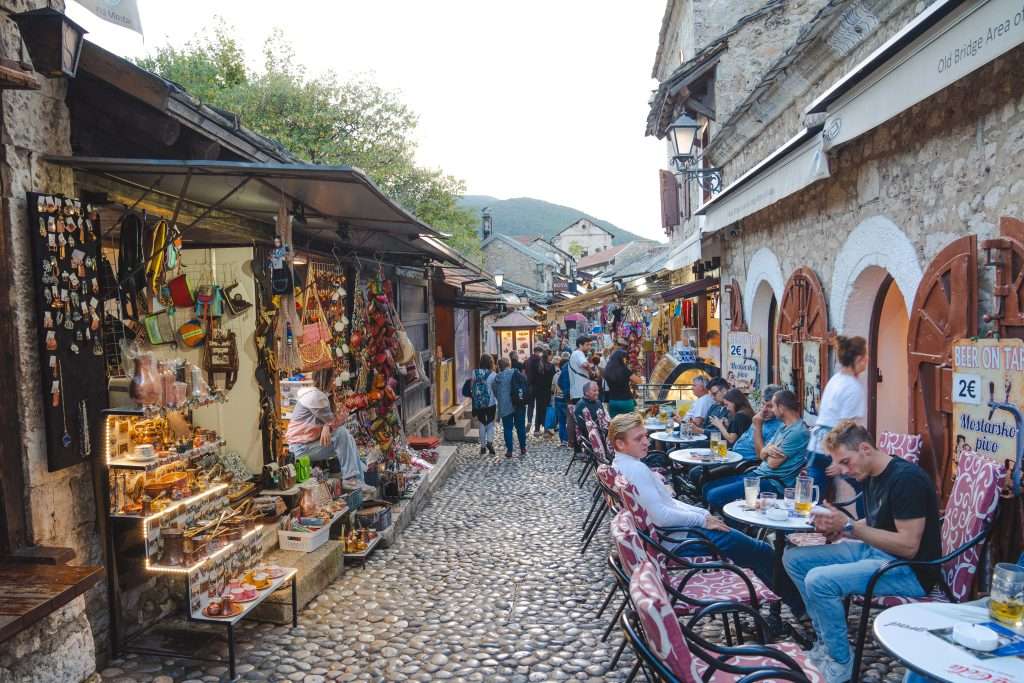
{"x": 47, "y": 320}
{"x": 51, "y": 341}
{"x": 51, "y": 242}
{"x": 55, "y": 393}
{"x": 42, "y": 227}
{"x": 74, "y": 348}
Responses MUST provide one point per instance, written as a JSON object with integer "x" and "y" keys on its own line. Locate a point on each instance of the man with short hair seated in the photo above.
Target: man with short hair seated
{"x": 902, "y": 523}
{"x": 627, "y": 436}
{"x": 590, "y": 402}
{"x": 782, "y": 457}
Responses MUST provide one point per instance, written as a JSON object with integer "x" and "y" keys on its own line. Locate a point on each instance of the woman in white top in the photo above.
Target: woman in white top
{"x": 843, "y": 399}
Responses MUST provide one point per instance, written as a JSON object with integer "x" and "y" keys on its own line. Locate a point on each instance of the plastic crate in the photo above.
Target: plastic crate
{"x": 303, "y": 541}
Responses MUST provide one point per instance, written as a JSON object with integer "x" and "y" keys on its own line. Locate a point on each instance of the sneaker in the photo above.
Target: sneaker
{"x": 835, "y": 672}
{"x": 509, "y": 454}
{"x": 817, "y": 653}
{"x": 563, "y": 444}
{"x": 522, "y": 452}
{"x": 483, "y": 450}
{"x": 490, "y": 449}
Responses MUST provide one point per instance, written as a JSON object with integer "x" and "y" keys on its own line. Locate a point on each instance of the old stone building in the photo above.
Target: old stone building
{"x": 867, "y": 167}
{"x": 521, "y": 265}
{"x": 582, "y": 237}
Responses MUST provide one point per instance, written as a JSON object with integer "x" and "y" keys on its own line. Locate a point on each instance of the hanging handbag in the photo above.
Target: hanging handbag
{"x": 313, "y": 348}
{"x": 181, "y": 292}
{"x": 159, "y": 328}
{"x": 281, "y": 280}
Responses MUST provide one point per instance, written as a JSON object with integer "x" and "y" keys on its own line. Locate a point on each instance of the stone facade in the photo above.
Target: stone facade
{"x": 55, "y": 649}
{"x": 517, "y": 264}
{"x": 589, "y": 236}
{"x": 949, "y": 166}
{"x": 60, "y": 507}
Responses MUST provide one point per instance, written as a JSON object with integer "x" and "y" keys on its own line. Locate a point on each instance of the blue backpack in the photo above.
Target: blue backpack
{"x": 481, "y": 394}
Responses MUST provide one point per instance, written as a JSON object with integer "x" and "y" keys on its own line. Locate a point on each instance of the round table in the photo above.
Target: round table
{"x": 672, "y": 438}
{"x": 691, "y": 456}
{"x": 655, "y": 426}
{"x": 904, "y": 633}
{"x": 737, "y": 511}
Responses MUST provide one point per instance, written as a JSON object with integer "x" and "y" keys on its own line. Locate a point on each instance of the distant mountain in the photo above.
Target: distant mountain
{"x": 527, "y": 216}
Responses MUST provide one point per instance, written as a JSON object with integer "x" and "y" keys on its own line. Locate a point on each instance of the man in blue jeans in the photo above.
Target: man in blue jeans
{"x": 902, "y": 523}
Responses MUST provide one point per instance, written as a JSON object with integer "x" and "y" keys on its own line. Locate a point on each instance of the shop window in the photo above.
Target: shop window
{"x": 413, "y": 299}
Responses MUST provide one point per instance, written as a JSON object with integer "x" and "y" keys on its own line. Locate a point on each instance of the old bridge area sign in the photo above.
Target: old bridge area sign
{"x": 987, "y": 392}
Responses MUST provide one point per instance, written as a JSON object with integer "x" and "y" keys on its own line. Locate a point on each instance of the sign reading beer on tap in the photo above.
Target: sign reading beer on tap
{"x": 987, "y": 394}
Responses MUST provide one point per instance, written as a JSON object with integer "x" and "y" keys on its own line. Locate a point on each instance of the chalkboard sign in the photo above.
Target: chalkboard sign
{"x": 65, "y": 237}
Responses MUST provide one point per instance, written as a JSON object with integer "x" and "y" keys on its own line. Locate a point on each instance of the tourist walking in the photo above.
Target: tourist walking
{"x": 561, "y": 392}
{"x": 579, "y": 374}
{"x": 540, "y": 388}
{"x": 510, "y": 389}
{"x": 843, "y": 399}
{"x": 484, "y": 402}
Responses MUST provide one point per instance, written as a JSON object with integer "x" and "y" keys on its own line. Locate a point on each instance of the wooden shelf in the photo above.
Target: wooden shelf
{"x": 129, "y": 464}
{"x": 247, "y": 607}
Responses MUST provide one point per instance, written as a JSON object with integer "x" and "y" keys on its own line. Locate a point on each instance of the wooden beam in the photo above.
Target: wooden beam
{"x": 124, "y": 75}
{"x": 14, "y": 533}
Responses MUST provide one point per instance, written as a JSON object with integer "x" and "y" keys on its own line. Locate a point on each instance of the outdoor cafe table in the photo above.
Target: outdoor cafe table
{"x": 671, "y": 438}
{"x": 903, "y": 631}
{"x": 692, "y": 456}
{"x": 737, "y": 511}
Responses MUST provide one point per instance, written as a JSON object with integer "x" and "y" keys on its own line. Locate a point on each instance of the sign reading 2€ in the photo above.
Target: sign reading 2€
{"x": 987, "y": 395}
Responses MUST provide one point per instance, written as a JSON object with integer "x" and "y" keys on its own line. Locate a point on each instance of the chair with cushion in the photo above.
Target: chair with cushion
{"x": 606, "y": 500}
{"x": 968, "y": 518}
{"x": 906, "y": 446}
{"x": 676, "y": 653}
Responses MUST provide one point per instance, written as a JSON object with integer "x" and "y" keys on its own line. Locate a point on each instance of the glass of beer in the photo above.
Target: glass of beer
{"x": 751, "y": 490}
{"x": 807, "y": 495}
{"x": 723, "y": 449}
{"x": 1006, "y": 602}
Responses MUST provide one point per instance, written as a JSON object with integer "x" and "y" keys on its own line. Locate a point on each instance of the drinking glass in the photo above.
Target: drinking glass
{"x": 807, "y": 495}
{"x": 789, "y": 496}
{"x": 723, "y": 449}
{"x": 751, "y": 490}
{"x": 1006, "y": 602}
{"x": 713, "y": 443}
{"x": 767, "y": 500}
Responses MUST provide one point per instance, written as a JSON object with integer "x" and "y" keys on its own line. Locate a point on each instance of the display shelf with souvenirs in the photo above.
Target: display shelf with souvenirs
{"x": 322, "y": 502}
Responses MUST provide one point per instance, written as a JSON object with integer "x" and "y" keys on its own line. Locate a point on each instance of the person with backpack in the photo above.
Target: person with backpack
{"x": 511, "y": 390}
{"x": 480, "y": 388}
{"x": 561, "y": 392}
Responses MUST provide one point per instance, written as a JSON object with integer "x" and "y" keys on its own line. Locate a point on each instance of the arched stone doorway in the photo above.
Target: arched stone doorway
{"x": 761, "y": 294}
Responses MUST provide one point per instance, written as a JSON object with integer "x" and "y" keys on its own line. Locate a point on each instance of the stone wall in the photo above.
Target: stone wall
{"x": 950, "y": 166}
{"x": 517, "y": 266}
{"x": 55, "y": 649}
{"x": 60, "y": 505}
{"x": 584, "y": 233}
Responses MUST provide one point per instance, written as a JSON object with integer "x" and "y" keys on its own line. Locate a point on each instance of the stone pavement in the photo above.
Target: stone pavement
{"x": 487, "y": 585}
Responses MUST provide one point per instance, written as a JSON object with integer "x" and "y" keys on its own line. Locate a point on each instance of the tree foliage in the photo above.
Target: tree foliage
{"x": 321, "y": 119}
{"x": 576, "y": 249}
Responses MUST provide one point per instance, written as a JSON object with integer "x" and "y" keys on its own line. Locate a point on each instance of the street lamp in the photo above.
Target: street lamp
{"x": 54, "y": 42}
{"x": 683, "y": 134}
{"x": 499, "y": 278}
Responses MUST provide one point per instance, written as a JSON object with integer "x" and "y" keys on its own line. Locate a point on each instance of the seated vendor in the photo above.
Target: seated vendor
{"x": 315, "y": 431}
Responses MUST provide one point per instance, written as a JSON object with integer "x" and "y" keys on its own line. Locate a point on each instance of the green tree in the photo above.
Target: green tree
{"x": 576, "y": 249}
{"x": 321, "y": 119}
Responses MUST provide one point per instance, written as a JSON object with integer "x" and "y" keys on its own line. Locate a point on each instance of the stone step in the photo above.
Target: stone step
{"x": 317, "y": 570}
{"x": 458, "y": 432}
{"x": 404, "y": 511}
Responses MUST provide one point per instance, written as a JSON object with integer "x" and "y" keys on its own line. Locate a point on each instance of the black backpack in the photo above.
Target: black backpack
{"x": 520, "y": 389}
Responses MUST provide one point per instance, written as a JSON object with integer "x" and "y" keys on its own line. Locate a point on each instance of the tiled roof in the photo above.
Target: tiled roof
{"x": 521, "y": 248}
{"x": 600, "y": 257}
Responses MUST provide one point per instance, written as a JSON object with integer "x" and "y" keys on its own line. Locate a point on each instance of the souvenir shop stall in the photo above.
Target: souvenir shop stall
{"x": 196, "y": 327}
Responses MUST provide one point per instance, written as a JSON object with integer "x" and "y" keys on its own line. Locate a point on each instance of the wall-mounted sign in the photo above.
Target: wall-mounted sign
{"x": 987, "y": 392}
{"x": 786, "y": 378}
{"x": 743, "y": 362}
{"x": 812, "y": 380}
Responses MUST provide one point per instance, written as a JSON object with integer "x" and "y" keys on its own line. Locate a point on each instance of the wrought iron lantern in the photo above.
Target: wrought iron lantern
{"x": 54, "y": 42}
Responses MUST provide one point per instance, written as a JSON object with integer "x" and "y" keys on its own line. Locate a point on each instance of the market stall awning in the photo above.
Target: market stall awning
{"x": 790, "y": 168}
{"x": 339, "y": 205}
{"x": 947, "y": 41}
{"x": 689, "y": 289}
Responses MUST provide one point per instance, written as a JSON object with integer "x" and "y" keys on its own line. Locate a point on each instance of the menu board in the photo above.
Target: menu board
{"x": 812, "y": 380}
{"x": 743, "y": 364}
{"x": 786, "y": 378}
{"x": 987, "y": 392}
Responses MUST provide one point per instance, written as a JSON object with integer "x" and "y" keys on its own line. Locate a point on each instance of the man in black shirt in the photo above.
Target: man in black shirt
{"x": 902, "y": 523}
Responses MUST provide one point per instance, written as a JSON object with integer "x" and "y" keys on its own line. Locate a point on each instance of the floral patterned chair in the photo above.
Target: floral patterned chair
{"x": 706, "y": 579}
{"x": 676, "y": 653}
{"x": 906, "y": 446}
{"x": 605, "y": 499}
{"x": 969, "y": 513}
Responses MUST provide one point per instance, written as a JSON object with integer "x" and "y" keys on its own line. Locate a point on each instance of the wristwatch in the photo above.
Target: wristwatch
{"x": 848, "y": 527}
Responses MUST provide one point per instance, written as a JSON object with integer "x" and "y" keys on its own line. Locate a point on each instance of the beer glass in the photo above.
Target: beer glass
{"x": 807, "y": 495}
{"x": 1006, "y": 602}
{"x": 751, "y": 490}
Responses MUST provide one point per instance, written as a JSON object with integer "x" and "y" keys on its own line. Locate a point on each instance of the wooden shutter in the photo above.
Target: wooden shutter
{"x": 803, "y": 316}
{"x": 945, "y": 309}
{"x": 736, "y": 321}
{"x": 1006, "y": 255}
{"x": 669, "y": 201}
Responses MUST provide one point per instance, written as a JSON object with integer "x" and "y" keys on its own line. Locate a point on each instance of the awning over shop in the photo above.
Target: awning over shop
{"x": 685, "y": 253}
{"x": 690, "y": 289}
{"x": 947, "y": 41}
{"x": 515, "y": 320}
{"x": 336, "y": 205}
{"x": 790, "y": 168}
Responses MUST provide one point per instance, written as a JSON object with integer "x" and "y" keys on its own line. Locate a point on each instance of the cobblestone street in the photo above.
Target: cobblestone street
{"x": 486, "y": 585}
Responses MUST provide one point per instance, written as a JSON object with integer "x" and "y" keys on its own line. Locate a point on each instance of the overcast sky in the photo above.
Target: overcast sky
{"x": 544, "y": 99}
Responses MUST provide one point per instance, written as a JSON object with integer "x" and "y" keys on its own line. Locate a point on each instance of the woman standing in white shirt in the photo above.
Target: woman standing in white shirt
{"x": 843, "y": 399}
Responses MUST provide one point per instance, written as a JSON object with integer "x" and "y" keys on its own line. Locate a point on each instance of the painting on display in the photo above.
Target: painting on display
{"x": 786, "y": 378}
{"x": 506, "y": 343}
{"x": 743, "y": 365}
{"x": 523, "y": 344}
{"x": 987, "y": 392}
{"x": 812, "y": 380}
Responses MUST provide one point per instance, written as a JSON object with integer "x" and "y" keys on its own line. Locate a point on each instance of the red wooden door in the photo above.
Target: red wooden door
{"x": 803, "y": 316}
{"x": 1006, "y": 255}
{"x": 945, "y": 309}
{"x": 736, "y": 321}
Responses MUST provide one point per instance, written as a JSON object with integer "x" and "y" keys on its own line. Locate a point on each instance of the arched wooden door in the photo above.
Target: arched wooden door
{"x": 945, "y": 309}
{"x": 1006, "y": 255}
{"x": 803, "y": 317}
{"x": 736, "y": 321}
